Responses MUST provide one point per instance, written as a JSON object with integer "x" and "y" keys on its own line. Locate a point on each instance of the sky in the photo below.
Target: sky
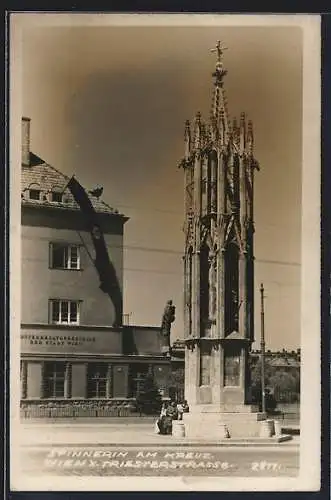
{"x": 109, "y": 105}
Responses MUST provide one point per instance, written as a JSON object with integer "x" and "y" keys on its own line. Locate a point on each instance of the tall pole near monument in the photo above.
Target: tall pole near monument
{"x": 262, "y": 349}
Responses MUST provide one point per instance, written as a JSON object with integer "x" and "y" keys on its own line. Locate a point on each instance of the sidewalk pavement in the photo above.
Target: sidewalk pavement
{"x": 135, "y": 420}
{"x": 121, "y": 434}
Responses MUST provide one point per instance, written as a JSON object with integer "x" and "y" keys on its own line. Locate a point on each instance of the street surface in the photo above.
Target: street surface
{"x": 118, "y": 449}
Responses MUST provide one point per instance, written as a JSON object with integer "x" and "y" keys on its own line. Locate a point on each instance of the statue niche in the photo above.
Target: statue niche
{"x": 204, "y": 290}
{"x": 231, "y": 268}
{"x": 213, "y": 162}
{"x": 188, "y": 288}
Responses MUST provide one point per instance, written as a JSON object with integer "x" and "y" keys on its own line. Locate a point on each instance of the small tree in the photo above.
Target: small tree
{"x": 176, "y": 384}
{"x": 256, "y": 374}
{"x": 286, "y": 386}
{"x": 149, "y": 399}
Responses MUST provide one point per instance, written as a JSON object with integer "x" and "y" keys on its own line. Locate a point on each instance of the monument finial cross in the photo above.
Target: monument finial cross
{"x": 219, "y": 49}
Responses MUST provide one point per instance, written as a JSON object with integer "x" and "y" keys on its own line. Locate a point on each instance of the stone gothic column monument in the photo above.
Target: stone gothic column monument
{"x": 219, "y": 168}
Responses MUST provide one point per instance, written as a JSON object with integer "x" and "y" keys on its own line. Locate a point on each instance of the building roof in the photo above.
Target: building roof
{"x": 284, "y": 362}
{"x": 41, "y": 176}
{"x": 293, "y": 362}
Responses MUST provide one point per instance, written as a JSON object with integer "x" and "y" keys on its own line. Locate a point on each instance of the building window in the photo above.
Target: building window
{"x": 137, "y": 375}
{"x": 64, "y": 256}
{"x": 53, "y": 380}
{"x": 97, "y": 376}
{"x": 34, "y": 194}
{"x": 64, "y": 312}
{"x": 56, "y": 196}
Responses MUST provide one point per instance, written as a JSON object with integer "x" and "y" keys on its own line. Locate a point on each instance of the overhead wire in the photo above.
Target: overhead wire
{"x": 181, "y": 253}
{"x": 174, "y": 212}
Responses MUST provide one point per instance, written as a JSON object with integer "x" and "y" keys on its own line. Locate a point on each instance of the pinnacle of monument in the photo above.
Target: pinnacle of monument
{"x": 219, "y": 110}
{"x": 235, "y": 133}
{"x": 219, "y": 72}
{"x": 250, "y": 137}
{"x": 187, "y": 132}
{"x": 197, "y": 129}
{"x": 204, "y": 134}
{"x": 242, "y": 132}
{"x": 187, "y": 139}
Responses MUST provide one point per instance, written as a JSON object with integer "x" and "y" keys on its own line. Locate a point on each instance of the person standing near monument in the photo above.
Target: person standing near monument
{"x": 180, "y": 411}
{"x": 186, "y": 407}
{"x": 161, "y": 420}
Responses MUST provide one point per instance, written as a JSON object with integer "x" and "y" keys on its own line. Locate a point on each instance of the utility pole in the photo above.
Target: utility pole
{"x": 262, "y": 350}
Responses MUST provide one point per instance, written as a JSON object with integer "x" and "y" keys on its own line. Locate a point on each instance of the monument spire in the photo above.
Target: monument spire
{"x": 219, "y": 112}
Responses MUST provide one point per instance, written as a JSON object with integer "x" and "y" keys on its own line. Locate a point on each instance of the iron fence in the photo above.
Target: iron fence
{"x": 286, "y": 396}
{"x": 74, "y": 410}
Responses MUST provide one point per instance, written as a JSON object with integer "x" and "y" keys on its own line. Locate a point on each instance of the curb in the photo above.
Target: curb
{"x": 110, "y": 426}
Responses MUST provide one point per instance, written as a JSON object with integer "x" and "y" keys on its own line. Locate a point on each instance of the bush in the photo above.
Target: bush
{"x": 149, "y": 399}
{"x": 270, "y": 401}
{"x": 285, "y": 384}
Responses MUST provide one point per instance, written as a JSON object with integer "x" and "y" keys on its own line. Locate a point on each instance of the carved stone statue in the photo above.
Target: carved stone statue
{"x": 167, "y": 319}
{"x": 235, "y": 308}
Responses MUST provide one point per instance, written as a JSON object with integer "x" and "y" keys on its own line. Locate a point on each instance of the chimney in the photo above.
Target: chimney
{"x": 25, "y": 141}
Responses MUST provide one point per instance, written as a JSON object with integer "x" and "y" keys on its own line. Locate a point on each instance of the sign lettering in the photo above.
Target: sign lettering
{"x": 71, "y": 340}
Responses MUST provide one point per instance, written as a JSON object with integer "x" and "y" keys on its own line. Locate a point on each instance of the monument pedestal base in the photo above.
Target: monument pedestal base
{"x": 216, "y": 425}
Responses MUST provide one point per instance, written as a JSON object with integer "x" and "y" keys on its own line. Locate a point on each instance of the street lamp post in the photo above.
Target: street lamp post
{"x": 262, "y": 350}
